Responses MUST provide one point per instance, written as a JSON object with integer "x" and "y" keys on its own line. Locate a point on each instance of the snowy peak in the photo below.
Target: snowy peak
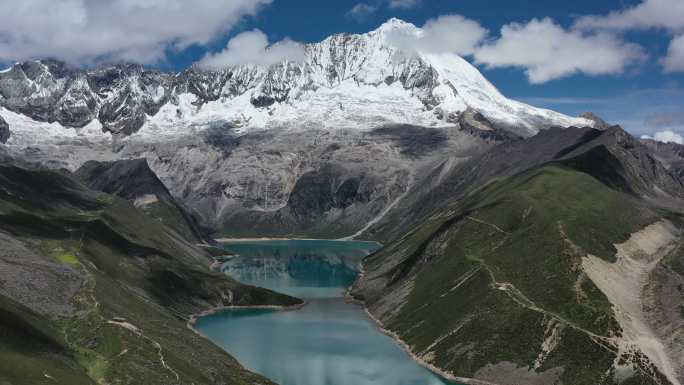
{"x": 345, "y": 81}
{"x": 393, "y": 26}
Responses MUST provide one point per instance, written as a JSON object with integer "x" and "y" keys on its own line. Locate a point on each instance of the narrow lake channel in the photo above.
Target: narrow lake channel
{"x": 330, "y": 341}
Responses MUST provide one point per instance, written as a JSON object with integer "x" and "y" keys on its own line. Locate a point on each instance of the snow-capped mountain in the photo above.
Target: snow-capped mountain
{"x": 320, "y": 146}
{"x": 347, "y": 80}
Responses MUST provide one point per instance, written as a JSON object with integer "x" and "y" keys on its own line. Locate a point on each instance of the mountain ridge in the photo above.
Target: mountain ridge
{"x": 353, "y": 80}
{"x": 534, "y": 251}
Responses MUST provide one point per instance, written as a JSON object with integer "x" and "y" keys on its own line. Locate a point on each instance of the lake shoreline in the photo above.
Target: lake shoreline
{"x": 347, "y": 297}
{"x": 397, "y": 339}
{"x": 193, "y": 318}
{"x": 258, "y": 239}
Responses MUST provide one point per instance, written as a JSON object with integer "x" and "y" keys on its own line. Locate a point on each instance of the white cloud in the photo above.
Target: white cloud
{"x": 661, "y": 14}
{"x": 674, "y": 61}
{"x": 252, "y": 47}
{"x": 667, "y": 14}
{"x": 361, "y": 11}
{"x": 84, "y": 31}
{"x": 547, "y": 51}
{"x": 666, "y": 136}
{"x": 404, "y": 4}
{"x": 447, "y": 33}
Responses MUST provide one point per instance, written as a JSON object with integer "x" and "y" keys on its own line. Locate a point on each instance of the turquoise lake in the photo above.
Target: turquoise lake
{"x": 329, "y": 341}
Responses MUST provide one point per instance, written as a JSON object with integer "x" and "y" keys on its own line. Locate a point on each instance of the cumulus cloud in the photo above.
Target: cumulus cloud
{"x": 666, "y": 136}
{"x": 403, "y": 4}
{"x": 361, "y": 11}
{"x": 661, "y": 14}
{"x": 252, "y": 47}
{"x": 84, "y": 31}
{"x": 547, "y": 51}
{"x": 674, "y": 61}
{"x": 447, "y": 33}
{"x": 667, "y": 14}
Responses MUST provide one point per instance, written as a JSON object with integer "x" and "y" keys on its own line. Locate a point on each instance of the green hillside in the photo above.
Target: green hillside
{"x": 485, "y": 283}
{"x": 97, "y": 291}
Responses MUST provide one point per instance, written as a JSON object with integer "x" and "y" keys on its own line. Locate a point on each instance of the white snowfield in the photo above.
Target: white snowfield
{"x": 346, "y": 81}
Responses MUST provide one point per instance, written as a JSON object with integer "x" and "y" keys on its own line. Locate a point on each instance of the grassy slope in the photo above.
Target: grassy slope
{"x": 134, "y": 268}
{"x": 527, "y": 234}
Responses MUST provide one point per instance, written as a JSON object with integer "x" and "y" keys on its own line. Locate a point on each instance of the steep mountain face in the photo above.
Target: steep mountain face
{"x": 5, "y": 132}
{"x": 50, "y": 91}
{"x": 559, "y": 255}
{"x": 670, "y": 154}
{"x": 359, "y": 117}
{"x": 134, "y": 181}
{"x": 86, "y": 281}
{"x": 249, "y": 183}
{"x": 325, "y": 184}
{"x": 599, "y": 123}
{"x": 626, "y": 163}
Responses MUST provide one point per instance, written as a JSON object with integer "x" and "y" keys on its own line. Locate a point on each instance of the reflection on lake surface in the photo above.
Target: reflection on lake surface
{"x": 330, "y": 341}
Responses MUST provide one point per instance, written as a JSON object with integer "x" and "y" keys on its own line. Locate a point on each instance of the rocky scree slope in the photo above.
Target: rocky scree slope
{"x": 96, "y": 291}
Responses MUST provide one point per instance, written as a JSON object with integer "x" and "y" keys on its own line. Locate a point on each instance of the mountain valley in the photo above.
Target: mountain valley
{"x": 520, "y": 245}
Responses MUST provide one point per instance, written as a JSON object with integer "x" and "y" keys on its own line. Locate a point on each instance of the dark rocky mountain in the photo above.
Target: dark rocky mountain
{"x": 4, "y": 131}
{"x": 670, "y": 154}
{"x": 599, "y": 123}
{"x": 319, "y": 184}
{"x": 134, "y": 181}
{"x": 474, "y": 123}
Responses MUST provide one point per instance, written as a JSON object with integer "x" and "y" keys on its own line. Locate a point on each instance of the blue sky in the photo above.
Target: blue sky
{"x": 173, "y": 34}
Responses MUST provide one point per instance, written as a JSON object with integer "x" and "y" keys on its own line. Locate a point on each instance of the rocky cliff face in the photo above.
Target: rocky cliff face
{"x": 4, "y": 131}
{"x": 670, "y": 154}
{"x": 134, "y": 181}
{"x": 316, "y": 183}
